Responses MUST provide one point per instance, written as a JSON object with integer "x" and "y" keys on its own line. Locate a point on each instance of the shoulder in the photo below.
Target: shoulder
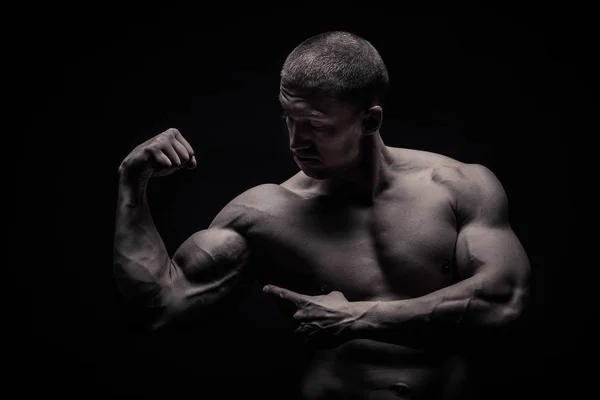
{"x": 436, "y": 166}
{"x": 250, "y": 206}
{"x": 258, "y": 195}
{"x": 478, "y": 193}
{"x": 466, "y": 179}
{"x": 474, "y": 188}
{"x": 447, "y": 171}
{"x": 420, "y": 157}
{"x": 470, "y": 182}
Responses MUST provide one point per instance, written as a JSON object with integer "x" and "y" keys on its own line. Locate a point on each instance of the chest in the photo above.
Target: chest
{"x": 401, "y": 246}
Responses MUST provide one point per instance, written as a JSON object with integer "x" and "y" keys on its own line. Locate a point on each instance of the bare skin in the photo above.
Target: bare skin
{"x": 374, "y": 247}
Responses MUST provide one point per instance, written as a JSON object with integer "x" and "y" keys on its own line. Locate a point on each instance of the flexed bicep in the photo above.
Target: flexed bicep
{"x": 488, "y": 252}
{"x": 210, "y": 265}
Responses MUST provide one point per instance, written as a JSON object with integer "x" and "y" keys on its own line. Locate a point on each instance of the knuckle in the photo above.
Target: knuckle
{"x": 171, "y": 132}
{"x": 157, "y": 142}
{"x": 150, "y": 150}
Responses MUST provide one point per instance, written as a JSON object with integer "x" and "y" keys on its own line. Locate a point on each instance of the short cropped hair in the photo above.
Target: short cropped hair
{"x": 337, "y": 65}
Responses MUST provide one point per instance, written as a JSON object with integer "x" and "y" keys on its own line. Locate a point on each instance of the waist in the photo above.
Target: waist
{"x": 366, "y": 368}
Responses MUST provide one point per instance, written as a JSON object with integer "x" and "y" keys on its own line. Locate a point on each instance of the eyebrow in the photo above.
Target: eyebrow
{"x": 309, "y": 113}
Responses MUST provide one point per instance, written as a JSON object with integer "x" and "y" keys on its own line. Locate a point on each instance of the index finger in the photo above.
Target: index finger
{"x": 179, "y": 137}
{"x": 286, "y": 294}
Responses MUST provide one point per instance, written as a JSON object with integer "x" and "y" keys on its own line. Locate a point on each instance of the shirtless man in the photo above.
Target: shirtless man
{"x": 384, "y": 253}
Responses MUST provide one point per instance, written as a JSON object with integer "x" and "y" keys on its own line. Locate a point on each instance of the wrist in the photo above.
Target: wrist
{"x": 366, "y": 319}
{"x": 132, "y": 179}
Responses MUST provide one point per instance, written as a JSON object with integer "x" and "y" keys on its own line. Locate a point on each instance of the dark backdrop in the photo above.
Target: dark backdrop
{"x": 504, "y": 88}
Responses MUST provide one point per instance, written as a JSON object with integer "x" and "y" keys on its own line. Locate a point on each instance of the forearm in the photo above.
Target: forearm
{"x": 463, "y": 310}
{"x": 140, "y": 259}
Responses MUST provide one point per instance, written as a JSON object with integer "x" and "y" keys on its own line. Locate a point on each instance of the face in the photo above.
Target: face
{"x": 325, "y": 136}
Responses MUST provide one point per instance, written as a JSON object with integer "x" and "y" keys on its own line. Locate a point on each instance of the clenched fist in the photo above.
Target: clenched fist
{"x": 159, "y": 156}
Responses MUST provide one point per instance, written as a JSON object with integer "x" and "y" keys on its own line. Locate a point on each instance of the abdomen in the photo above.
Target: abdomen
{"x": 366, "y": 369}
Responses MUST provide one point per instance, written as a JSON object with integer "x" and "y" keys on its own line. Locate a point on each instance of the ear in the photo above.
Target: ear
{"x": 372, "y": 120}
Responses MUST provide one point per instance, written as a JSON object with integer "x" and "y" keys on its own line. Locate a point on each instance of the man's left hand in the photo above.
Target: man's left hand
{"x": 326, "y": 317}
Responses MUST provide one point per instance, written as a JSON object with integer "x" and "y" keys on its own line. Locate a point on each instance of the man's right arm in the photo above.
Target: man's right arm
{"x": 207, "y": 267}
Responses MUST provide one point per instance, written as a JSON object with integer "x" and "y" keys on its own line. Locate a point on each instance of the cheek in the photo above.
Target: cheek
{"x": 344, "y": 148}
{"x": 351, "y": 143}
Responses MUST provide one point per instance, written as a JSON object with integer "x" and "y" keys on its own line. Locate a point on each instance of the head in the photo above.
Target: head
{"x": 332, "y": 91}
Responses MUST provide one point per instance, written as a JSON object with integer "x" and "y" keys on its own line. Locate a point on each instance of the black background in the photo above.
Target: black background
{"x": 507, "y": 88}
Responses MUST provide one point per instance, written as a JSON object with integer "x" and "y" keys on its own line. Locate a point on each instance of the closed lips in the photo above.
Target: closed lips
{"x": 304, "y": 157}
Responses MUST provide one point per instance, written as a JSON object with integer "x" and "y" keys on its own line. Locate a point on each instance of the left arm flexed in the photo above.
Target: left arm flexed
{"x": 492, "y": 264}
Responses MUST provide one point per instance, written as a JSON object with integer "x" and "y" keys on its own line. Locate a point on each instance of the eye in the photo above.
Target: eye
{"x": 319, "y": 128}
{"x": 400, "y": 388}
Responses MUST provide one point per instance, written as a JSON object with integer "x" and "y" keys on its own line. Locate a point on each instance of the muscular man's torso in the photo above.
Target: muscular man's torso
{"x": 399, "y": 247}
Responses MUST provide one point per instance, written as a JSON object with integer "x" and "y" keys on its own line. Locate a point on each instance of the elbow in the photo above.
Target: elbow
{"x": 505, "y": 305}
{"x": 167, "y": 308}
{"x": 177, "y": 308}
{"x": 510, "y": 314}
{"x": 151, "y": 310}
{"x": 513, "y": 310}
{"x": 519, "y": 298}
{"x": 507, "y": 298}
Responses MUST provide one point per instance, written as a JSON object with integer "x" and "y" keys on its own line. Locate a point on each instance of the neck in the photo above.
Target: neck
{"x": 369, "y": 176}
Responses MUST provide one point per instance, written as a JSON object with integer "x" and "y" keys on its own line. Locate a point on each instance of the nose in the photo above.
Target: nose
{"x": 299, "y": 139}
